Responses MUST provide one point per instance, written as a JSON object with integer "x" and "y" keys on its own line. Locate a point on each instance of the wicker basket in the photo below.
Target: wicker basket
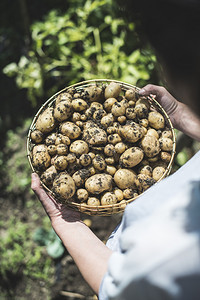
{"x": 101, "y": 210}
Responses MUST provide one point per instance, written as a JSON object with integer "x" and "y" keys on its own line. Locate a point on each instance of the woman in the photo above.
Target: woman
{"x": 154, "y": 253}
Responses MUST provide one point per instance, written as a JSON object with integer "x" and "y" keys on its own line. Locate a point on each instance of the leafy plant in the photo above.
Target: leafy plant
{"x": 88, "y": 41}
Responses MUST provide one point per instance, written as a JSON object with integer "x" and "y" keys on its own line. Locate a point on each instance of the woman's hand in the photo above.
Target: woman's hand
{"x": 181, "y": 116}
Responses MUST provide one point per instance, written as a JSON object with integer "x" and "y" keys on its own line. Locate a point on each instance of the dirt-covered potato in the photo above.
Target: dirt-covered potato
{"x": 79, "y": 147}
{"x": 82, "y": 195}
{"x": 98, "y": 183}
{"x": 109, "y": 103}
{"x": 108, "y": 198}
{"x": 131, "y": 157}
{"x": 49, "y": 175}
{"x": 93, "y": 94}
{"x": 94, "y": 135}
{"x": 99, "y": 162}
{"x": 80, "y": 177}
{"x": 37, "y": 136}
{"x": 165, "y": 156}
{"x": 46, "y": 122}
{"x": 150, "y": 145}
{"x": 147, "y": 170}
{"x": 166, "y": 144}
{"x": 132, "y": 132}
{"x": 130, "y": 193}
{"x": 143, "y": 182}
{"x": 124, "y": 178}
{"x": 156, "y": 120}
{"x": 130, "y": 94}
{"x": 60, "y": 162}
{"x": 40, "y": 157}
{"x": 63, "y": 97}
{"x": 112, "y": 90}
{"x": 158, "y": 172}
{"x": 93, "y": 201}
{"x": 62, "y": 110}
{"x": 64, "y": 186}
{"x": 70, "y": 129}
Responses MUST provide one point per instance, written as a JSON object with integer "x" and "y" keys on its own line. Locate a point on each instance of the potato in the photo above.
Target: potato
{"x": 109, "y": 150}
{"x": 41, "y": 159}
{"x": 79, "y": 104}
{"x": 76, "y": 116}
{"x": 64, "y": 186}
{"x": 156, "y": 120}
{"x": 79, "y": 147}
{"x": 118, "y": 194}
{"x": 114, "y": 138}
{"x": 165, "y": 156}
{"x": 71, "y": 158}
{"x": 80, "y": 176}
{"x": 167, "y": 134}
{"x": 99, "y": 163}
{"x": 130, "y": 113}
{"x": 130, "y": 94}
{"x": 141, "y": 110}
{"x": 63, "y": 110}
{"x": 118, "y": 109}
{"x": 94, "y": 135}
{"x": 98, "y": 183}
{"x": 153, "y": 132}
{"x": 93, "y": 94}
{"x": 85, "y": 159}
{"x": 144, "y": 122}
{"x": 147, "y": 170}
{"x": 109, "y": 103}
{"x": 143, "y": 182}
{"x": 93, "y": 201}
{"x": 124, "y": 178}
{"x": 63, "y": 97}
{"x": 129, "y": 193}
{"x": 120, "y": 147}
{"x": 131, "y": 157}
{"x": 111, "y": 170}
{"x": 158, "y": 172}
{"x": 60, "y": 162}
{"x": 121, "y": 120}
{"x": 70, "y": 129}
{"x": 46, "y": 122}
{"x": 166, "y": 144}
{"x": 150, "y": 145}
{"x": 36, "y": 136}
{"x": 50, "y": 139}
{"x": 62, "y": 149}
{"x": 112, "y": 90}
{"x": 52, "y": 149}
{"x": 48, "y": 176}
{"x": 108, "y": 198}
{"x": 82, "y": 195}
{"x": 131, "y": 132}
{"x": 107, "y": 120}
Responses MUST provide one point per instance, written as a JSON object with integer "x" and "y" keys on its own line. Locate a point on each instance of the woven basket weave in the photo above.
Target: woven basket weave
{"x": 100, "y": 210}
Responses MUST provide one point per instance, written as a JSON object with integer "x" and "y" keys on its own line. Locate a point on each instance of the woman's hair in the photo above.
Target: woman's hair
{"x": 173, "y": 29}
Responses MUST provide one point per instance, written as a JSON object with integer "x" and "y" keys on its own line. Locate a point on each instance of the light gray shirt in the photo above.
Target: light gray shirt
{"x": 157, "y": 245}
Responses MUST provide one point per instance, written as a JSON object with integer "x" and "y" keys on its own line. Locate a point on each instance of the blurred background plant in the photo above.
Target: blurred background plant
{"x": 44, "y": 47}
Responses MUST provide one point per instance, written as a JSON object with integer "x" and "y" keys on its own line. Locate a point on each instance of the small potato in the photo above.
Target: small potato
{"x": 98, "y": 183}
{"x": 131, "y": 157}
{"x": 147, "y": 170}
{"x": 52, "y": 149}
{"x": 70, "y": 129}
{"x": 109, "y": 103}
{"x": 82, "y": 195}
{"x": 118, "y": 194}
{"x": 36, "y": 136}
{"x": 111, "y": 170}
{"x": 111, "y": 130}
{"x": 94, "y": 135}
{"x": 143, "y": 182}
{"x": 63, "y": 97}
{"x": 166, "y": 144}
{"x": 165, "y": 156}
{"x": 93, "y": 201}
{"x": 62, "y": 110}
{"x": 76, "y": 117}
{"x": 60, "y": 162}
{"x": 156, "y": 120}
{"x": 118, "y": 109}
{"x": 150, "y": 145}
{"x": 141, "y": 110}
{"x": 132, "y": 132}
{"x": 79, "y": 105}
{"x": 153, "y": 132}
{"x": 64, "y": 186}
{"x": 96, "y": 105}
{"x": 99, "y": 114}
{"x": 49, "y": 175}
{"x": 71, "y": 158}
{"x": 114, "y": 138}
{"x": 121, "y": 119}
{"x": 130, "y": 113}
{"x": 99, "y": 163}
{"x": 109, "y": 150}
{"x": 85, "y": 160}
{"x": 120, "y": 147}
{"x": 110, "y": 160}
{"x": 144, "y": 122}
{"x": 62, "y": 149}
{"x": 108, "y": 198}
{"x": 107, "y": 120}
{"x": 158, "y": 172}
{"x": 130, "y": 94}
{"x": 50, "y": 139}
{"x": 167, "y": 134}
{"x": 79, "y": 147}
{"x": 129, "y": 193}
{"x": 46, "y": 122}
{"x": 93, "y": 94}
{"x": 40, "y": 157}
{"x": 112, "y": 90}
{"x": 124, "y": 178}
{"x": 65, "y": 140}
{"x": 80, "y": 177}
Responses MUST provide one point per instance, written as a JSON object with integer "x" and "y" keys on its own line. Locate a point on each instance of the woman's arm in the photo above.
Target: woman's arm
{"x": 89, "y": 253}
{"x": 182, "y": 117}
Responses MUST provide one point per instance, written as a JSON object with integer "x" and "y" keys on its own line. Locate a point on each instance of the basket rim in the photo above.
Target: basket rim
{"x": 100, "y": 210}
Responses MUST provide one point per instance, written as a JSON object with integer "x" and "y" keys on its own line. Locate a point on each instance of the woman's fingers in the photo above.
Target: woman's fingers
{"x": 149, "y": 89}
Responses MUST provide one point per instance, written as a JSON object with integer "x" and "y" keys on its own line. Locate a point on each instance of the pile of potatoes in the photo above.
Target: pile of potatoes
{"x": 100, "y": 145}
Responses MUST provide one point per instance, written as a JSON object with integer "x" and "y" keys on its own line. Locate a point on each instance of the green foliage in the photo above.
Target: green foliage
{"x": 88, "y": 41}
{"x": 15, "y": 167}
{"x": 19, "y": 254}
